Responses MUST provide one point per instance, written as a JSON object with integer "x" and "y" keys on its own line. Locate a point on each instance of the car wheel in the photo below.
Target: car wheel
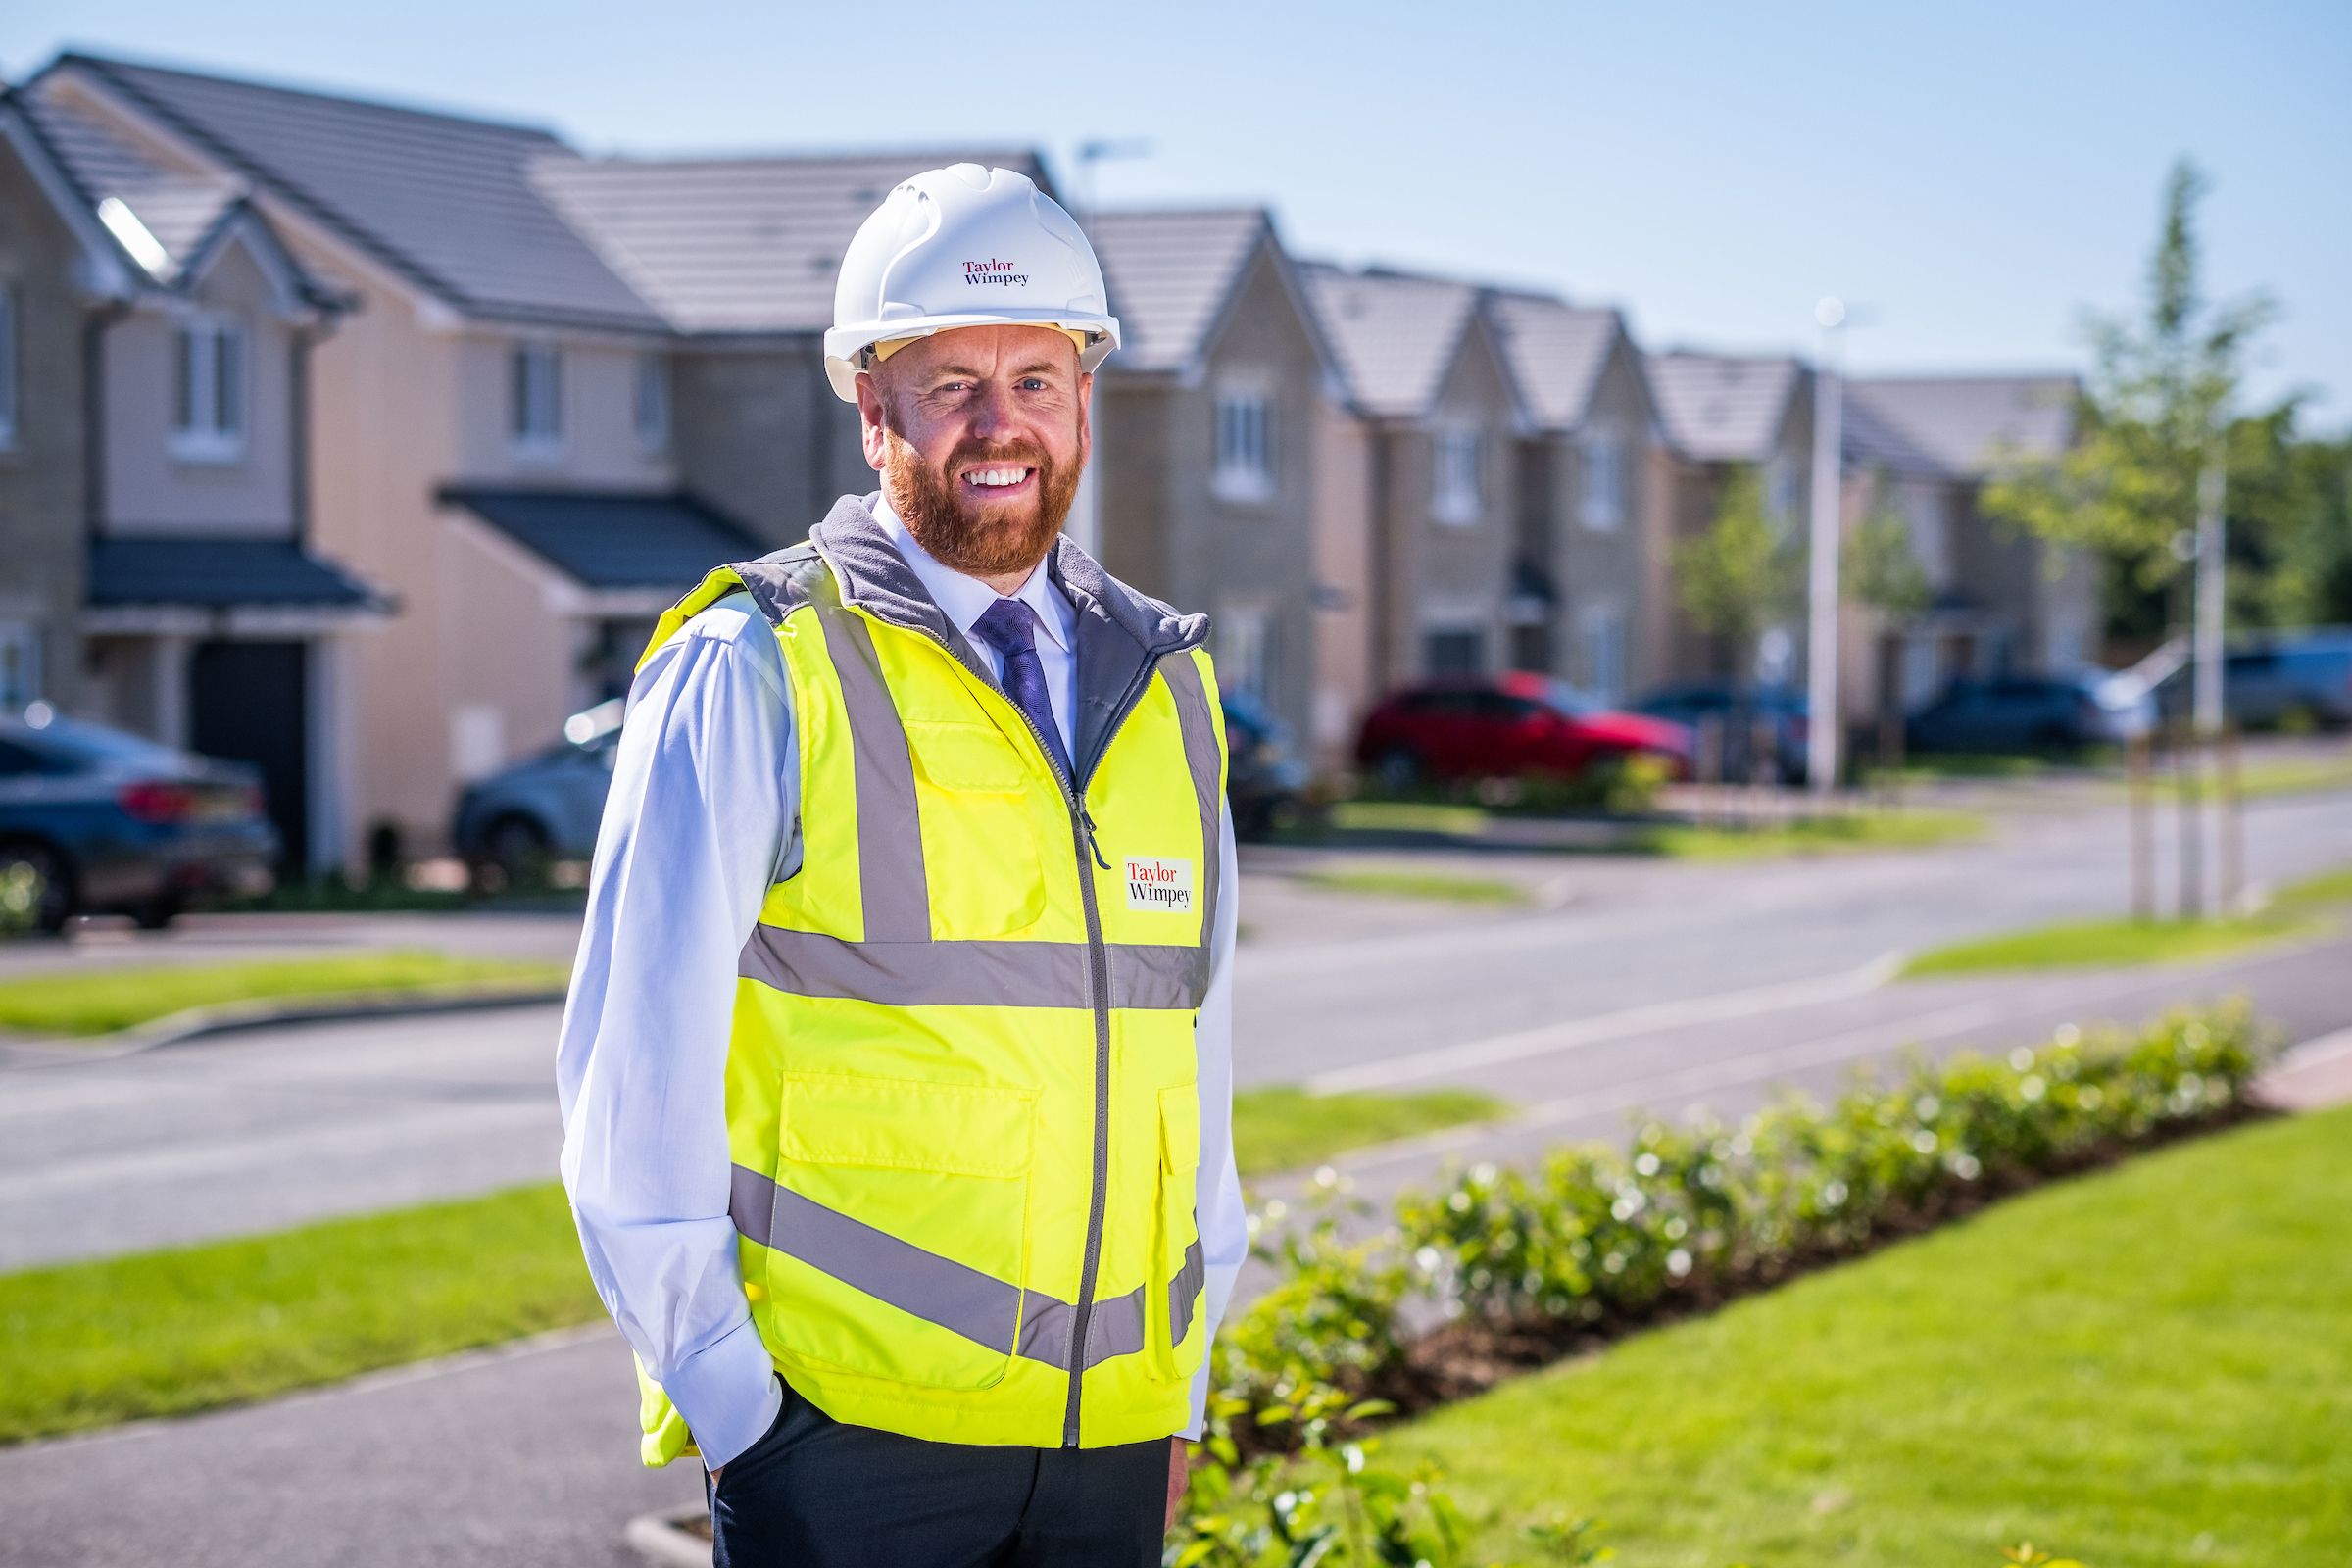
{"x": 515, "y": 855}
{"x": 158, "y": 913}
{"x": 36, "y": 888}
{"x": 1398, "y": 768}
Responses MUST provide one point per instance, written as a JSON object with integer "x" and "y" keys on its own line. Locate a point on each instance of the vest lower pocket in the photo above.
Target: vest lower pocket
{"x": 1172, "y": 1296}
{"x": 898, "y": 1232}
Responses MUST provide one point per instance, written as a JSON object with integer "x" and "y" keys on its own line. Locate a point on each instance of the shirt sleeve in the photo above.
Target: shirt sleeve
{"x": 1224, "y": 1222}
{"x": 694, "y": 833}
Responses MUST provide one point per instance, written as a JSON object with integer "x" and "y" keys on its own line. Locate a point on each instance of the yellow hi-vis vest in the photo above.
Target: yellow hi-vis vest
{"x": 960, "y": 1091}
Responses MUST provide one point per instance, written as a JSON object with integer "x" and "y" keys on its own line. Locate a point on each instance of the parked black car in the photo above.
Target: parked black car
{"x": 93, "y": 820}
{"x": 1741, "y": 710}
{"x": 2298, "y": 681}
{"x": 2031, "y": 714}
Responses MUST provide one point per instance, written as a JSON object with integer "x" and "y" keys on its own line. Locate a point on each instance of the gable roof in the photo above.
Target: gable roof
{"x": 1170, "y": 275}
{"x": 1720, "y": 408}
{"x": 1957, "y": 422}
{"x": 1556, "y": 353}
{"x": 749, "y": 244}
{"x": 1394, "y": 335}
{"x": 443, "y": 201}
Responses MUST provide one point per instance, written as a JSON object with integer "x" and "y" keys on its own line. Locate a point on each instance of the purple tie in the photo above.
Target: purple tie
{"x": 1010, "y": 628}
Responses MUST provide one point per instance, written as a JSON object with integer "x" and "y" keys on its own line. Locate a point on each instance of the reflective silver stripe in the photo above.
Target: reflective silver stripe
{"x": 1183, "y": 676}
{"x": 938, "y": 1289}
{"x": 1185, "y": 1288}
{"x": 890, "y": 839}
{"x": 987, "y": 974}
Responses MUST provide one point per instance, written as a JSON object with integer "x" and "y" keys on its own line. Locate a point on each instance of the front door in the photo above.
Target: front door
{"x": 245, "y": 702}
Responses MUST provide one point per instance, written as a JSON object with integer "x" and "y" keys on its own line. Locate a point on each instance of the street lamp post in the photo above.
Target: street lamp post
{"x": 1822, "y": 726}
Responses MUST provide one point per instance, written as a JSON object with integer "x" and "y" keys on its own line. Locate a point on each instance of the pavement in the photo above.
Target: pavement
{"x": 1620, "y": 984}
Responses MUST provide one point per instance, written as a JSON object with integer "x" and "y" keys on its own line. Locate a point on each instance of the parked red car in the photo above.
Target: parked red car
{"x": 1504, "y": 727}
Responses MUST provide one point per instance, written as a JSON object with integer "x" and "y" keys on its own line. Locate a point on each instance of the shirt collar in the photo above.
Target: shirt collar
{"x": 967, "y": 599}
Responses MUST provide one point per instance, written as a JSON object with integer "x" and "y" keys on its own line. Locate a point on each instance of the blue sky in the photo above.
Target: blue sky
{"x": 1969, "y": 176}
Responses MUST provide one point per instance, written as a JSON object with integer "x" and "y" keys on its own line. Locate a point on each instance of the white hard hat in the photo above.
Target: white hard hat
{"x": 964, "y": 246}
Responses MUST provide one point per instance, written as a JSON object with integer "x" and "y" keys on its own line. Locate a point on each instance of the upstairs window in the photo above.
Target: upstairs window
{"x": 7, "y": 367}
{"x": 1454, "y": 496}
{"x": 537, "y": 374}
{"x": 1604, "y": 503}
{"x": 208, "y": 390}
{"x": 652, "y": 402}
{"x": 1245, "y": 468}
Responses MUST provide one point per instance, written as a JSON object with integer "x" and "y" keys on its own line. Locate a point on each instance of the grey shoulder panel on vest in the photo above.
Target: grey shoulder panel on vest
{"x": 782, "y": 582}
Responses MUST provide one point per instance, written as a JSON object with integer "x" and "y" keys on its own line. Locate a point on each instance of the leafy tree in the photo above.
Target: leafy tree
{"x": 2290, "y": 523}
{"x": 1745, "y": 572}
{"x": 1881, "y": 569}
{"x": 2159, "y": 388}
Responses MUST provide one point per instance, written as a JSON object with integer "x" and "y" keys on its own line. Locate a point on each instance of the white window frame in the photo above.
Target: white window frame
{"x": 1244, "y": 652}
{"x": 1601, "y": 507}
{"x": 1604, "y": 632}
{"x": 535, "y": 398}
{"x": 650, "y": 405}
{"x": 1245, "y": 460}
{"x": 212, "y": 388}
{"x": 9, "y": 379}
{"x": 1457, "y": 494}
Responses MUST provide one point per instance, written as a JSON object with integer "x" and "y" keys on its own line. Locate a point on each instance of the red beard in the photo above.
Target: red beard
{"x": 978, "y": 538}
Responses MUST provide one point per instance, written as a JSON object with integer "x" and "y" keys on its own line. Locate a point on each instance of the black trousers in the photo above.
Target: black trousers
{"x": 815, "y": 1492}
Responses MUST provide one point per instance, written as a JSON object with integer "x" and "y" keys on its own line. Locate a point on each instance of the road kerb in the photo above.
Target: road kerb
{"x": 222, "y": 1018}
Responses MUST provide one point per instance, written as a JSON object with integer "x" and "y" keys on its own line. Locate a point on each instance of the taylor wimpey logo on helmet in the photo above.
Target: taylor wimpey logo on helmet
{"x": 993, "y": 270}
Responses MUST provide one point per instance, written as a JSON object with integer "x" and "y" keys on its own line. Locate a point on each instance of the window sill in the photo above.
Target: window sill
{"x": 1453, "y": 515}
{"x": 211, "y": 454}
{"x": 539, "y": 454}
{"x": 1243, "y": 489}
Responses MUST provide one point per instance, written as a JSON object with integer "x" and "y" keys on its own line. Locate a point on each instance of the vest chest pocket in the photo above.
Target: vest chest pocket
{"x": 980, "y": 856}
{"x": 902, "y": 1214}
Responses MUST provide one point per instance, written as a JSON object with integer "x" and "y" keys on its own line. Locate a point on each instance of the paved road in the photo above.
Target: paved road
{"x": 1666, "y": 982}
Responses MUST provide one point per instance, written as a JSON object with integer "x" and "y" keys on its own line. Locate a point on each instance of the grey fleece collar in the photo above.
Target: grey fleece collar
{"x": 1122, "y": 634}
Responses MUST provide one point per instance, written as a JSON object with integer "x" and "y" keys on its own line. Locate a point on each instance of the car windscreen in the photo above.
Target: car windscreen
{"x": 1559, "y": 695}
{"x": 92, "y": 746}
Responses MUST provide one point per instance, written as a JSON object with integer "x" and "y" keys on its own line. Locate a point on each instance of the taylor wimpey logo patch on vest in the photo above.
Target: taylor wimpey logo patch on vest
{"x": 1159, "y": 887}
{"x": 993, "y": 270}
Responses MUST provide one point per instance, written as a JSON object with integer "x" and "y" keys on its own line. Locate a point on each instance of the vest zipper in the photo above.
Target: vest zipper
{"x": 1082, "y": 837}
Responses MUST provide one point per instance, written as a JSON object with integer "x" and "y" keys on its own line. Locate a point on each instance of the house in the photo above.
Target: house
{"x": 1920, "y": 449}
{"x": 1218, "y": 427}
{"x": 492, "y": 397}
{"x": 1590, "y": 578}
{"x": 1723, "y": 414}
{"x": 161, "y": 540}
{"x": 1425, "y": 371}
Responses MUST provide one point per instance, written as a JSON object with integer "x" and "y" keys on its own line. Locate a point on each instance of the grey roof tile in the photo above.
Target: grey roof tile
{"x": 1169, "y": 273}
{"x": 1959, "y": 421}
{"x": 1723, "y": 407}
{"x": 445, "y": 201}
{"x": 747, "y": 244}
{"x": 1394, "y": 335}
{"x": 217, "y": 572}
{"x": 1556, "y": 353}
{"x": 608, "y": 540}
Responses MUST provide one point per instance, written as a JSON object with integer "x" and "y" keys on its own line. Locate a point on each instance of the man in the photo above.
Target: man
{"x": 897, "y": 1072}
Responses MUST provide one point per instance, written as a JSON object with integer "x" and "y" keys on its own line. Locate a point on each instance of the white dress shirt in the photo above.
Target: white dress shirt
{"x": 696, "y": 830}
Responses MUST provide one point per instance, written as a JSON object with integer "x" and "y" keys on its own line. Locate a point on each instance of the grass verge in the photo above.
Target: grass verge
{"x": 100, "y": 1000}
{"x": 1285, "y": 1128}
{"x": 1864, "y": 830}
{"x": 2293, "y": 777}
{"x": 168, "y": 1333}
{"x": 1408, "y": 816}
{"x": 1404, "y": 884}
{"x": 2144, "y": 1366}
{"x": 2103, "y": 944}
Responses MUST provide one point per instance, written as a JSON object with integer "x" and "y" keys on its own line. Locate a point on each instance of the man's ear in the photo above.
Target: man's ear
{"x": 1086, "y": 416}
{"x": 874, "y": 419}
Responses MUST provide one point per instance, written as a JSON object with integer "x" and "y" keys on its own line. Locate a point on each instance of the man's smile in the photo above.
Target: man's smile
{"x": 999, "y": 480}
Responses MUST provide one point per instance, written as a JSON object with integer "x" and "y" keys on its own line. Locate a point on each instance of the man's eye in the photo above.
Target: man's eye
{"x": 1032, "y": 384}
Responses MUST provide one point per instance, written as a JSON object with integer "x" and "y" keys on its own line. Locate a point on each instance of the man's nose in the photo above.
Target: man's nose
{"x": 995, "y": 410}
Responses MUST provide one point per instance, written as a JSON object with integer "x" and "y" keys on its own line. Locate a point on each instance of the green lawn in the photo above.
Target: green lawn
{"x": 101, "y": 1000}
{"x": 1283, "y": 1128}
{"x": 1408, "y": 816}
{"x": 1408, "y": 884}
{"x": 1863, "y": 830}
{"x": 2094, "y": 944}
{"x": 167, "y": 1333}
{"x": 2144, "y": 1367}
{"x": 2291, "y": 776}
